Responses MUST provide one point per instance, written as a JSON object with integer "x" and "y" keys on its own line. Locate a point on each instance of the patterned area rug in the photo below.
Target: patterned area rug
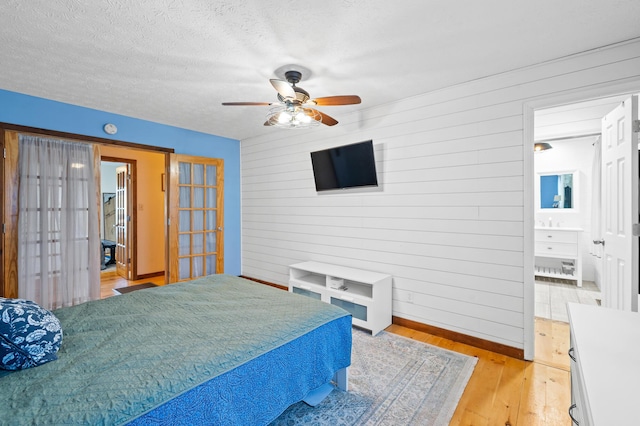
{"x": 394, "y": 381}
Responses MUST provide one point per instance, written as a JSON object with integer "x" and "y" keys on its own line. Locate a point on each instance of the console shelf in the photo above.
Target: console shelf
{"x": 366, "y": 294}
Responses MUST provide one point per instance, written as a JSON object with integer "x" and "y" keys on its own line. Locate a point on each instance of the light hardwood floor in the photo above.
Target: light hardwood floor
{"x": 510, "y": 392}
{"x": 110, "y": 280}
{"x": 502, "y": 390}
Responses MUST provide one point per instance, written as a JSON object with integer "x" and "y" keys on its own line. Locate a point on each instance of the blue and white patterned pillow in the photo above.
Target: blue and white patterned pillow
{"x": 29, "y": 334}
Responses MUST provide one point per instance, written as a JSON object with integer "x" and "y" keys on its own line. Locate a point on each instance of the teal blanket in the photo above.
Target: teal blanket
{"x": 128, "y": 354}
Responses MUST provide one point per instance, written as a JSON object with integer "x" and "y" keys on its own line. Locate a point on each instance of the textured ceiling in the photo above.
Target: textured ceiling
{"x": 175, "y": 61}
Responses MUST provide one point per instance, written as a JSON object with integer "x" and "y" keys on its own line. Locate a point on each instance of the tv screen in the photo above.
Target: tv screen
{"x": 345, "y": 166}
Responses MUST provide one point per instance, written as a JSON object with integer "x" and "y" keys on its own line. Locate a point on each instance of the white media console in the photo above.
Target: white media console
{"x": 367, "y": 295}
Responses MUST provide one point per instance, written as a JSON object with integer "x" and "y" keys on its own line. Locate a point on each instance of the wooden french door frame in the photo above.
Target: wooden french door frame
{"x": 9, "y": 215}
{"x": 9, "y": 199}
{"x": 202, "y": 228}
{"x": 9, "y": 196}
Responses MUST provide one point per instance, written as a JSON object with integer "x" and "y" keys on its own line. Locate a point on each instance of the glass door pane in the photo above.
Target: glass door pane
{"x": 196, "y": 208}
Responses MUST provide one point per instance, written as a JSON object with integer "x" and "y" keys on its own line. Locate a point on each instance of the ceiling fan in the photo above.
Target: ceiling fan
{"x": 295, "y": 106}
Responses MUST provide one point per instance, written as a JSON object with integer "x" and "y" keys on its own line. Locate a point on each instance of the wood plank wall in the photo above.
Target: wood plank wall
{"x": 448, "y": 220}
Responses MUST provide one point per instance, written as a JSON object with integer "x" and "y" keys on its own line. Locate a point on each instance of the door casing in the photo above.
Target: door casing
{"x": 9, "y": 208}
{"x": 572, "y": 96}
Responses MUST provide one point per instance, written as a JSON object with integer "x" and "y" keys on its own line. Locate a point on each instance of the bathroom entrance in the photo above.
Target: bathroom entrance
{"x": 569, "y": 266}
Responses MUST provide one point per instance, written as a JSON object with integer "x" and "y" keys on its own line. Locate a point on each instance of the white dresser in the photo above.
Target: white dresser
{"x": 562, "y": 244}
{"x": 605, "y": 365}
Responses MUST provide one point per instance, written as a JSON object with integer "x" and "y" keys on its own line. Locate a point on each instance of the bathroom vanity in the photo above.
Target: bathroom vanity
{"x": 562, "y": 245}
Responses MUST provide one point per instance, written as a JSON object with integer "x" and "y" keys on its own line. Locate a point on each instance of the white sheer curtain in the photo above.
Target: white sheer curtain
{"x": 58, "y": 242}
{"x": 596, "y": 200}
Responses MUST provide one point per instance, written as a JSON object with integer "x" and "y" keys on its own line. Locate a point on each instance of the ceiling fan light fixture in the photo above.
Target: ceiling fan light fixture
{"x": 541, "y": 146}
{"x": 283, "y": 117}
{"x": 293, "y": 117}
{"x": 294, "y": 111}
{"x": 301, "y": 117}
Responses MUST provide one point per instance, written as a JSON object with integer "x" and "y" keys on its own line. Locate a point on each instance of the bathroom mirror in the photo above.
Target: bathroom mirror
{"x": 557, "y": 191}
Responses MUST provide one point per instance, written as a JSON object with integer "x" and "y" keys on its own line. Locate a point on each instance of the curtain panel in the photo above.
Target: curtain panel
{"x": 58, "y": 239}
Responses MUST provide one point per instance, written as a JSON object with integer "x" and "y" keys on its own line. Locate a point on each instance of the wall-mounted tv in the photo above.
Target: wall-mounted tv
{"x": 346, "y": 166}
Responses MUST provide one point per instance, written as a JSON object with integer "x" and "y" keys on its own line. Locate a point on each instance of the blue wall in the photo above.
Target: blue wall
{"x": 548, "y": 190}
{"x": 16, "y": 108}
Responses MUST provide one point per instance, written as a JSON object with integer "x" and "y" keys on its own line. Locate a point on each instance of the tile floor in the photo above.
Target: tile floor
{"x": 552, "y": 296}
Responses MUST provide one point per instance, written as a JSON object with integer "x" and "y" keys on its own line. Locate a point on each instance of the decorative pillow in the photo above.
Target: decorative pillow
{"x": 29, "y": 334}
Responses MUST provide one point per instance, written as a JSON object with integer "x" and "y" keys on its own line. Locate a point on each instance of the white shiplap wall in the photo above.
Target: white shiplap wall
{"x": 448, "y": 221}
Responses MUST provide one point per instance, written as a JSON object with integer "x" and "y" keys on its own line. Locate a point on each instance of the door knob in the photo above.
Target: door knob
{"x": 598, "y": 242}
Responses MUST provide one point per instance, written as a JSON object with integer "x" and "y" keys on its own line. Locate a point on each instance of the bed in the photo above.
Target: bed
{"x": 216, "y": 350}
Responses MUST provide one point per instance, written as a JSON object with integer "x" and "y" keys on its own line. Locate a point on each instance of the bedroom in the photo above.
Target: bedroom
{"x": 449, "y": 224}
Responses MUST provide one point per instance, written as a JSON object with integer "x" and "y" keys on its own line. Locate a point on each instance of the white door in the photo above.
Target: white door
{"x": 620, "y": 207}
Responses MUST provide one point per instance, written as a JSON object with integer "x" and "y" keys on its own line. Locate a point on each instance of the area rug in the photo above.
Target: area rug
{"x": 129, "y": 289}
{"x": 393, "y": 381}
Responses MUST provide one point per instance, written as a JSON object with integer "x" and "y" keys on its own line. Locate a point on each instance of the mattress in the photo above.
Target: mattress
{"x": 220, "y": 349}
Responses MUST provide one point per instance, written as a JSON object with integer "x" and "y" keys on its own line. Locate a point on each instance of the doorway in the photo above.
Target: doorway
{"x": 572, "y": 271}
{"x": 117, "y": 221}
{"x": 133, "y": 217}
{"x": 155, "y": 180}
{"x": 536, "y": 129}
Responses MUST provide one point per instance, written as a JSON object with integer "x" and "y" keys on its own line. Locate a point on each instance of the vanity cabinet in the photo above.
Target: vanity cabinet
{"x": 562, "y": 244}
{"x": 605, "y": 372}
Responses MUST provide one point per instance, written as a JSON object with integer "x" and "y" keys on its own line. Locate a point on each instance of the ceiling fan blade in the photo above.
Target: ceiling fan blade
{"x": 326, "y": 119}
{"x": 247, "y": 103}
{"x": 337, "y": 100}
{"x": 284, "y": 88}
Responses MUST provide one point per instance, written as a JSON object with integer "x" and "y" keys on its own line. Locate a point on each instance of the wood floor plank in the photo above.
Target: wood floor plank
{"x": 508, "y": 391}
{"x": 507, "y": 399}
{"x": 465, "y": 418}
{"x": 546, "y": 396}
{"x": 552, "y": 343}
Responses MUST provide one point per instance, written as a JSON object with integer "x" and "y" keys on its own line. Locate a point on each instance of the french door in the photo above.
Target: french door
{"x": 196, "y": 217}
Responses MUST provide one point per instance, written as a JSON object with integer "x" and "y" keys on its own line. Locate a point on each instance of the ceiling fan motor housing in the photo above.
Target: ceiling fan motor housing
{"x": 302, "y": 96}
{"x": 293, "y": 77}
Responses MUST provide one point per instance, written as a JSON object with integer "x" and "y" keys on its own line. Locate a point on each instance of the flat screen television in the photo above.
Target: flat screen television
{"x": 346, "y": 166}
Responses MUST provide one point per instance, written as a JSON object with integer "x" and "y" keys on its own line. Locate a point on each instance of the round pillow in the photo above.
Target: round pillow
{"x": 29, "y": 334}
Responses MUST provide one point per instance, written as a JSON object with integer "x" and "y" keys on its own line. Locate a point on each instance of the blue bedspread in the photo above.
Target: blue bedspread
{"x": 129, "y": 356}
